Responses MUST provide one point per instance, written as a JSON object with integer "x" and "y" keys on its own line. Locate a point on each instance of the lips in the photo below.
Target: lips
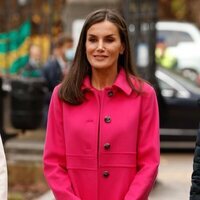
{"x": 100, "y": 57}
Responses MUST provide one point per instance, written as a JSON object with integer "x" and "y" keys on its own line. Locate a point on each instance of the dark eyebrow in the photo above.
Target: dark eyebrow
{"x": 111, "y": 35}
{"x": 91, "y": 35}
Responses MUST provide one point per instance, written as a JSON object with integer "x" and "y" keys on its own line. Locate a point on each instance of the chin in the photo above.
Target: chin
{"x": 100, "y": 67}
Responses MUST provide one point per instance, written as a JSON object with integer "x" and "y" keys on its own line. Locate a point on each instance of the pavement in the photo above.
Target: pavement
{"x": 47, "y": 196}
{"x": 26, "y": 146}
{"x": 174, "y": 177}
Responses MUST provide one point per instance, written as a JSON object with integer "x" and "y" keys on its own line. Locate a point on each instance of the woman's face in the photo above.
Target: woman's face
{"x": 103, "y": 45}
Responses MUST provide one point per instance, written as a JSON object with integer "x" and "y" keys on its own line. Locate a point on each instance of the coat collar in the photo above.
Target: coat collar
{"x": 120, "y": 83}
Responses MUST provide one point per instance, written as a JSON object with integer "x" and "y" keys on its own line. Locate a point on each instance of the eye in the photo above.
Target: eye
{"x": 110, "y": 39}
{"x": 92, "y": 39}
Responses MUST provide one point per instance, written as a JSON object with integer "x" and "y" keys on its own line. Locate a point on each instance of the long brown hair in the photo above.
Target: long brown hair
{"x": 70, "y": 90}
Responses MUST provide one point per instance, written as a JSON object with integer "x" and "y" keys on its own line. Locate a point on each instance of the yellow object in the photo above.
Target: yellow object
{"x": 165, "y": 59}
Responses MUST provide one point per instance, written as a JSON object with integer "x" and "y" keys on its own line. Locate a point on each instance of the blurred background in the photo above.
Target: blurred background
{"x": 165, "y": 41}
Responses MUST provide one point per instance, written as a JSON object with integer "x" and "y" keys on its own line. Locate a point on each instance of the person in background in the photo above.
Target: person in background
{"x": 34, "y": 65}
{"x": 195, "y": 179}
{"x": 55, "y": 68}
{"x": 164, "y": 58}
{"x": 3, "y": 174}
{"x": 102, "y": 138}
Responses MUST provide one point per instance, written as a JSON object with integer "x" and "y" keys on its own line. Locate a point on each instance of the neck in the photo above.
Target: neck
{"x": 102, "y": 78}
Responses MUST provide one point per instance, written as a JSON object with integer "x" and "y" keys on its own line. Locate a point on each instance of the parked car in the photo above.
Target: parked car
{"x": 179, "y": 106}
{"x": 183, "y": 41}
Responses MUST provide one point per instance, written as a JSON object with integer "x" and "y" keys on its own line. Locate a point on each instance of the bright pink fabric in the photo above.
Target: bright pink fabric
{"x": 74, "y": 154}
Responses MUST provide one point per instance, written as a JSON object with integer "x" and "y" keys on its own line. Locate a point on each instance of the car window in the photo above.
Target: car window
{"x": 166, "y": 89}
{"x": 164, "y": 85}
{"x": 172, "y": 38}
{"x": 170, "y": 87}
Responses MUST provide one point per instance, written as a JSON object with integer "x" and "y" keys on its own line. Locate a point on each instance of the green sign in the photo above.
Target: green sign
{"x": 14, "y": 46}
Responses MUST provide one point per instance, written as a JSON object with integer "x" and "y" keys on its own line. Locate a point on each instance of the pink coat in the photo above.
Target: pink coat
{"x": 107, "y": 148}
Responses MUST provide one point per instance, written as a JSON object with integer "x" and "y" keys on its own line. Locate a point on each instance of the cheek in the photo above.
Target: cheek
{"x": 88, "y": 54}
{"x": 115, "y": 53}
{"x": 88, "y": 49}
{"x": 115, "y": 49}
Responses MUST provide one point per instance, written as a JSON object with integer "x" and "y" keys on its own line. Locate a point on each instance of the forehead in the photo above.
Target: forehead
{"x": 103, "y": 28}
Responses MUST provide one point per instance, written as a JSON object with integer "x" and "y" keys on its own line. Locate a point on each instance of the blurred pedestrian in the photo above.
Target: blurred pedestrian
{"x": 55, "y": 68}
{"x": 3, "y": 174}
{"x": 34, "y": 65}
{"x": 195, "y": 187}
{"x": 164, "y": 58}
{"x": 102, "y": 138}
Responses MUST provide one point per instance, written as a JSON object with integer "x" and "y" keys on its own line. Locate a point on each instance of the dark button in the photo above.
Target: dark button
{"x": 106, "y": 174}
{"x": 107, "y": 146}
{"x": 107, "y": 119}
{"x": 110, "y": 93}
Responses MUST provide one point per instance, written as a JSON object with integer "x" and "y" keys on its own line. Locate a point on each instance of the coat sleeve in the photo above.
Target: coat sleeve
{"x": 148, "y": 149}
{"x": 54, "y": 156}
{"x": 195, "y": 187}
{"x": 3, "y": 174}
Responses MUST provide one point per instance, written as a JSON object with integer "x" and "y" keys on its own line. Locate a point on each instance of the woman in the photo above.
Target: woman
{"x": 102, "y": 139}
{"x": 3, "y": 173}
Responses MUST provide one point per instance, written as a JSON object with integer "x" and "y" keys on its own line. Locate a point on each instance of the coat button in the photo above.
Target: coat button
{"x": 106, "y": 174}
{"x": 107, "y": 119}
{"x": 110, "y": 93}
{"x": 107, "y": 146}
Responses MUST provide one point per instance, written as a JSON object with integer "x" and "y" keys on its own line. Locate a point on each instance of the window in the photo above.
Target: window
{"x": 169, "y": 85}
{"x": 166, "y": 89}
{"x": 172, "y": 38}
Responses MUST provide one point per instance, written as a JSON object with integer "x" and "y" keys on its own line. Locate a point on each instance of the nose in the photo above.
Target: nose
{"x": 100, "y": 46}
